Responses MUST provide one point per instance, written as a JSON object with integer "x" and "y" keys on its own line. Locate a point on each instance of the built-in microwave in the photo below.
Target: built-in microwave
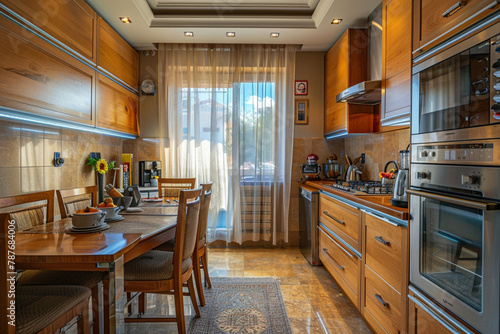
{"x": 456, "y": 92}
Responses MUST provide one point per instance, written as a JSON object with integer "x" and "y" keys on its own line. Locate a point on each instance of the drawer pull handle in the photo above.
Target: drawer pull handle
{"x": 455, "y": 8}
{"x": 329, "y": 215}
{"x": 381, "y": 240}
{"x": 326, "y": 252}
{"x": 379, "y": 298}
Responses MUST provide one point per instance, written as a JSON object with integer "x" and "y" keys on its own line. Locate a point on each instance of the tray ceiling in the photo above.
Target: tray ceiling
{"x": 303, "y": 22}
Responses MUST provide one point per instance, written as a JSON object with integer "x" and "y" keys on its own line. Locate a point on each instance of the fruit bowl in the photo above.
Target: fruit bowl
{"x": 88, "y": 219}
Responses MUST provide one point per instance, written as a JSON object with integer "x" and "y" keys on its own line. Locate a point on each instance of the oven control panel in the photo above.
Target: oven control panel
{"x": 482, "y": 153}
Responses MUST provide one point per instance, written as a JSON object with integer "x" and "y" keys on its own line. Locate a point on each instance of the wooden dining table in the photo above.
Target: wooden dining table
{"x": 53, "y": 246}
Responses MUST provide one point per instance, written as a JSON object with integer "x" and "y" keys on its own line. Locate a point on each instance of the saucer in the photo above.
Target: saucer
{"x": 114, "y": 219}
{"x": 89, "y": 229}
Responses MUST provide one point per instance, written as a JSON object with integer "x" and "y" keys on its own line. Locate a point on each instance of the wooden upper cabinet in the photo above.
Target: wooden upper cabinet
{"x": 117, "y": 106}
{"x": 39, "y": 78}
{"x": 117, "y": 57}
{"x": 434, "y": 21}
{"x": 69, "y": 22}
{"x": 345, "y": 66}
{"x": 396, "y": 65}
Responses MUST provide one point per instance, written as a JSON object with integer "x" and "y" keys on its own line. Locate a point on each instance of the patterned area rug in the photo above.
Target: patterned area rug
{"x": 245, "y": 305}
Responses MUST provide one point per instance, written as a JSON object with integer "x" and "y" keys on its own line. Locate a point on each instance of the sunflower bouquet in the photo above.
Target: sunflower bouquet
{"x": 100, "y": 165}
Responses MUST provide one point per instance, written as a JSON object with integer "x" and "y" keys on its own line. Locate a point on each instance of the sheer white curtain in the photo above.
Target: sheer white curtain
{"x": 228, "y": 114}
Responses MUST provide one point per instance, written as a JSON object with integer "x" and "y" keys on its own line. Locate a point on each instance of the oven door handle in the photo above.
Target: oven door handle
{"x": 457, "y": 201}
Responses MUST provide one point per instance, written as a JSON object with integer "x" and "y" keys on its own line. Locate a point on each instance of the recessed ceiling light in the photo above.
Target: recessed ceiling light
{"x": 275, "y": 34}
{"x": 125, "y": 19}
{"x": 336, "y": 21}
{"x": 230, "y": 34}
{"x": 188, "y": 33}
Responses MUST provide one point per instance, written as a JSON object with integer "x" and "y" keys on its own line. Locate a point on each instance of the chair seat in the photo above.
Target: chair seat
{"x": 87, "y": 279}
{"x": 170, "y": 245}
{"x": 39, "y": 306}
{"x": 154, "y": 265}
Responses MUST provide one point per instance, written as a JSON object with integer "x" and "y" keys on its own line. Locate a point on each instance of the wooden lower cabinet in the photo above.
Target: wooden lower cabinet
{"x": 343, "y": 219}
{"x": 117, "y": 107}
{"x": 425, "y": 317}
{"x": 384, "y": 308}
{"x": 343, "y": 264}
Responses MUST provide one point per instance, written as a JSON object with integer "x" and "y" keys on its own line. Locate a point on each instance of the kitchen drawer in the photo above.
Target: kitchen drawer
{"x": 342, "y": 219}
{"x": 341, "y": 263}
{"x": 383, "y": 306}
{"x": 385, "y": 250}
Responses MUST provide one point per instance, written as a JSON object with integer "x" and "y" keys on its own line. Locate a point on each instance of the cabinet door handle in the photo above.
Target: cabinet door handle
{"x": 339, "y": 266}
{"x": 379, "y": 298}
{"x": 455, "y": 8}
{"x": 329, "y": 215}
{"x": 381, "y": 240}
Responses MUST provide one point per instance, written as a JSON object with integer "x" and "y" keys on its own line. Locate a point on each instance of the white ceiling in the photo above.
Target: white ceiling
{"x": 304, "y": 22}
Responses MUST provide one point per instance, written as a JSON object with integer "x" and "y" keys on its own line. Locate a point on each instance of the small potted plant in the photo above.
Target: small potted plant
{"x": 101, "y": 166}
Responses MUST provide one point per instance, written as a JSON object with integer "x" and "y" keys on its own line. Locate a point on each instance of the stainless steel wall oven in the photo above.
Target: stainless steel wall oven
{"x": 455, "y": 179}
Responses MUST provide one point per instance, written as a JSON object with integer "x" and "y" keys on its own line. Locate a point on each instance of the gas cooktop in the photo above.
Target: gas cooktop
{"x": 362, "y": 187}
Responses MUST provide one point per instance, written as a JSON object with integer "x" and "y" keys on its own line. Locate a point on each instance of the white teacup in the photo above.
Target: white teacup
{"x": 111, "y": 212}
{"x": 85, "y": 220}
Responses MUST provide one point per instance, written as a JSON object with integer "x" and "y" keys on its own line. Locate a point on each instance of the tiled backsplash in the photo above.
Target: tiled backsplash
{"x": 379, "y": 148}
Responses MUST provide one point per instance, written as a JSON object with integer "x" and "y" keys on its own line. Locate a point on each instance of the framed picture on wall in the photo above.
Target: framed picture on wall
{"x": 301, "y": 111}
{"x": 300, "y": 87}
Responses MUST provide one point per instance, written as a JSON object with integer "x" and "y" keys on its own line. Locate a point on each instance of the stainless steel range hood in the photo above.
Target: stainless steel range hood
{"x": 366, "y": 92}
{"x": 369, "y": 92}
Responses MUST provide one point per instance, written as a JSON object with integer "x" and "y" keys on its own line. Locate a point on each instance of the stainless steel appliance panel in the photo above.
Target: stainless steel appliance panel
{"x": 455, "y": 238}
{"x": 308, "y": 225}
{"x": 453, "y": 93}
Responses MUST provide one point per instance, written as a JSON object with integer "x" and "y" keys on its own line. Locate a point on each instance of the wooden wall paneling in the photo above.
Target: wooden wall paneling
{"x": 116, "y": 56}
{"x": 117, "y": 106}
{"x": 38, "y": 77}
{"x": 70, "y": 22}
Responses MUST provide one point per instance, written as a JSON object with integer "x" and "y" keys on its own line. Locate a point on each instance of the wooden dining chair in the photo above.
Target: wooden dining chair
{"x": 38, "y": 309}
{"x": 29, "y": 210}
{"x": 88, "y": 279}
{"x": 168, "y": 187}
{"x": 72, "y": 200}
{"x": 161, "y": 272}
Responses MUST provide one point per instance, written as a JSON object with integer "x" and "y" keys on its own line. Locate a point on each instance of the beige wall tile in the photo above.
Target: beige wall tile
{"x": 86, "y": 176}
{"x": 29, "y": 130}
{"x": 69, "y": 135}
{"x": 148, "y": 149}
{"x": 31, "y": 151}
{"x": 69, "y": 177}
{"x": 10, "y": 151}
{"x": 49, "y": 147}
{"x": 9, "y": 128}
{"x": 52, "y": 133}
{"x": 32, "y": 179}
{"x": 52, "y": 178}
{"x": 10, "y": 182}
{"x": 70, "y": 153}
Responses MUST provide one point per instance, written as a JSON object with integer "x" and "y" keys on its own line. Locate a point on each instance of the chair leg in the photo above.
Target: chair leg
{"x": 205, "y": 268}
{"x": 142, "y": 303}
{"x": 193, "y": 296}
{"x": 105, "y": 305}
{"x": 83, "y": 323}
{"x": 179, "y": 307}
{"x": 95, "y": 309}
{"x": 197, "y": 277}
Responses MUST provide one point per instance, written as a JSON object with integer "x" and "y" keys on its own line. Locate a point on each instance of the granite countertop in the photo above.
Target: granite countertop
{"x": 379, "y": 203}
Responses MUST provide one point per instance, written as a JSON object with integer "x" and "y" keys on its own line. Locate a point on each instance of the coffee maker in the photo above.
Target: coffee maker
{"x": 399, "y": 196}
{"x": 147, "y": 171}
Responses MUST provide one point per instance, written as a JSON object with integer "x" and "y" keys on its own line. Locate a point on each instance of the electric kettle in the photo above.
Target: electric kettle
{"x": 399, "y": 196}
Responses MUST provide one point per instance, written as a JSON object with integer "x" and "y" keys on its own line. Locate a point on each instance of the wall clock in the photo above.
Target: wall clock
{"x": 148, "y": 87}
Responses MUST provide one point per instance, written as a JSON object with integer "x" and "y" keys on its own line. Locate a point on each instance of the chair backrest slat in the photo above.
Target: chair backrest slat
{"x": 187, "y": 227}
{"x": 12, "y": 201}
{"x": 169, "y": 187}
{"x": 204, "y": 208}
{"x": 71, "y": 200}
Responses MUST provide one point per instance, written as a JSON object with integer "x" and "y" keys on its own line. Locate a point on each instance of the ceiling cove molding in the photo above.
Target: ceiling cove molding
{"x": 144, "y": 9}
{"x": 242, "y": 4}
{"x": 321, "y": 10}
{"x": 234, "y": 22}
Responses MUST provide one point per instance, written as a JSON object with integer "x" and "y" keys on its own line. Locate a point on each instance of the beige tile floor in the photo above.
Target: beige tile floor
{"x": 314, "y": 302}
